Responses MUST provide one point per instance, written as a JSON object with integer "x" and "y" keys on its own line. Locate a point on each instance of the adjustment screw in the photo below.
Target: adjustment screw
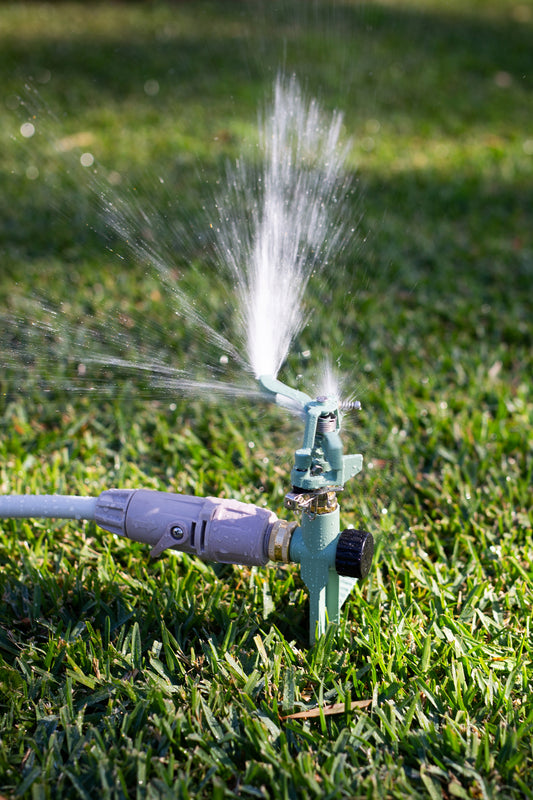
{"x": 355, "y": 550}
{"x": 177, "y": 532}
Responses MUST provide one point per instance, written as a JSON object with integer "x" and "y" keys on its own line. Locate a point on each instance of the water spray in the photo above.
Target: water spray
{"x": 232, "y": 532}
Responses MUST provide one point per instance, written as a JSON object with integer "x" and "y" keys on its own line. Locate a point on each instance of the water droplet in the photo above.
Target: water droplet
{"x": 224, "y": 359}
{"x": 27, "y": 129}
{"x": 43, "y": 76}
{"x": 32, "y": 173}
{"x": 503, "y": 80}
{"x": 151, "y": 87}
{"x": 372, "y": 126}
{"x": 114, "y": 178}
{"x": 87, "y": 159}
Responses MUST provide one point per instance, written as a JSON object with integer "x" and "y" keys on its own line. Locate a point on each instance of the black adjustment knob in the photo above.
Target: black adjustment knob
{"x": 355, "y": 550}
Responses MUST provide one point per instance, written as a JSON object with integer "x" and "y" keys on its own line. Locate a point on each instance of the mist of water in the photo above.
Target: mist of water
{"x": 280, "y": 221}
{"x": 276, "y": 225}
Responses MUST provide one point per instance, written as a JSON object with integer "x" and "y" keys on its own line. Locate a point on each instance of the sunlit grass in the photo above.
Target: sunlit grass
{"x": 122, "y": 677}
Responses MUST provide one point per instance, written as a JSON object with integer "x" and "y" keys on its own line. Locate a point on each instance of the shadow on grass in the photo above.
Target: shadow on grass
{"x": 422, "y": 68}
{"x": 109, "y": 51}
{"x": 441, "y": 229}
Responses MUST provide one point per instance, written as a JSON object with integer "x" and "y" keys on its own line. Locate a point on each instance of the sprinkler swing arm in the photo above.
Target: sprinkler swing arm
{"x": 231, "y": 532}
{"x": 319, "y": 464}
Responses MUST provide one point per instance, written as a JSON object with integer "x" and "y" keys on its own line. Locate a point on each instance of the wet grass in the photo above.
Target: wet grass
{"x": 123, "y": 677}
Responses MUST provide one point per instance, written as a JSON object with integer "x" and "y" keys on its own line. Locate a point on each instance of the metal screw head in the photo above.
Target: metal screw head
{"x": 177, "y": 532}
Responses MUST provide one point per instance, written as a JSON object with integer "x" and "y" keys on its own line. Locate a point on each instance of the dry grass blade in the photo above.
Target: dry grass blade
{"x": 334, "y": 708}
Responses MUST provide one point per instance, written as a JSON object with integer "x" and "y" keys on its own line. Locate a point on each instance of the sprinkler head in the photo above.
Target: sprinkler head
{"x": 331, "y": 561}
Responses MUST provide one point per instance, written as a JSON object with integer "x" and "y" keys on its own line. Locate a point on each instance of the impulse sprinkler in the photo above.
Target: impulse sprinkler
{"x": 231, "y": 532}
{"x": 330, "y": 560}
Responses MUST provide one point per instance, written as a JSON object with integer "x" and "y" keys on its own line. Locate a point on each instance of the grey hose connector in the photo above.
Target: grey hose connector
{"x": 226, "y": 531}
{"x": 110, "y": 513}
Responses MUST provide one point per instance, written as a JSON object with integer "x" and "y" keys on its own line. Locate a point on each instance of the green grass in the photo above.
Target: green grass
{"x": 122, "y": 677}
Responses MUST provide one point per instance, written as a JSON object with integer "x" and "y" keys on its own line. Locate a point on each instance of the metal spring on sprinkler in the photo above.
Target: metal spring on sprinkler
{"x": 326, "y": 423}
{"x": 350, "y": 405}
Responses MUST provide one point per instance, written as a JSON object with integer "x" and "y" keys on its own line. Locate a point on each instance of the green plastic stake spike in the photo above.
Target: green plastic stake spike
{"x": 330, "y": 560}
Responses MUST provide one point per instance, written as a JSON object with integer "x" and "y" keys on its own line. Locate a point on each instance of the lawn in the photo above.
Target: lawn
{"x": 123, "y": 677}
